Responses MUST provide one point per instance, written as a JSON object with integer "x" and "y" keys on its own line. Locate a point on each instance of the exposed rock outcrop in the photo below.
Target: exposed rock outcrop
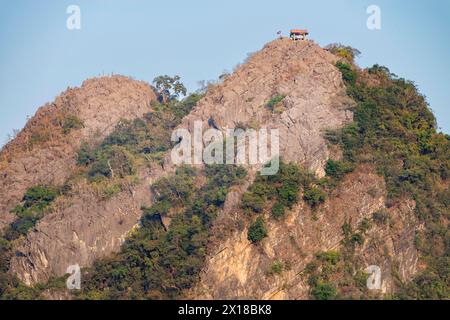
{"x": 314, "y": 99}
{"x": 83, "y": 230}
{"x": 237, "y": 269}
{"x": 40, "y": 154}
{"x": 80, "y": 230}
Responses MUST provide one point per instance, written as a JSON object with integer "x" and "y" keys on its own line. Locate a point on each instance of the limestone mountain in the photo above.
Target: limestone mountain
{"x": 363, "y": 182}
{"x": 44, "y": 151}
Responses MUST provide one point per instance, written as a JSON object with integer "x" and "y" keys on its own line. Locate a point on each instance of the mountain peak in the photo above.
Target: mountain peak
{"x": 44, "y": 150}
{"x": 93, "y": 170}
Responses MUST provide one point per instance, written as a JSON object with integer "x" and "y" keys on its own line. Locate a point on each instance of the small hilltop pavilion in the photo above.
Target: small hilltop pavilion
{"x": 298, "y": 34}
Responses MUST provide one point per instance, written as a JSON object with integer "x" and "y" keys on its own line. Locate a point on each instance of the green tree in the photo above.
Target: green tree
{"x": 257, "y": 231}
{"x": 253, "y": 202}
{"x": 169, "y": 88}
{"x": 39, "y": 196}
{"x": 346, "y": 52}
{"x": 274, "y": 101}
{"x": 348, "y": 75}
{"x": 337, "y": 169}
{"x": 324, "y": 291}
{"x": 314, "y": 196}
{"x": 278, "y": 210}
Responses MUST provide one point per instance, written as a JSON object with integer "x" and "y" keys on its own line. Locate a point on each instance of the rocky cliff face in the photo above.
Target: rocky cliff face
{"x": 237, "y": 269}
{"x": 82, "y": 228}
{"x": 314, "y": 99}
{"x": 42, "y": 154}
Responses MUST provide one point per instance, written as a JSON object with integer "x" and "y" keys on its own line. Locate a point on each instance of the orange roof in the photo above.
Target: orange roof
{"x": 299, "y": 31}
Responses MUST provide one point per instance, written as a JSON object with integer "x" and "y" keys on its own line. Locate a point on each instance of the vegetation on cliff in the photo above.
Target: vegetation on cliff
{"x": 395, "y": 130}
{"x": 159, "y": 263}
{"x": 135, "y": 141}
{"x": 35, "y": 203}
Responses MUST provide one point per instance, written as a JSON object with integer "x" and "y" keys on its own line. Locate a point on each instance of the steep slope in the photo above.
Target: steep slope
{"x": 391, "y": 212}
{"x": 313, "y": 99}
{"x": 44, "y": 151}
{"x": 237, "y": 269}
{"x": 363, "y": 181}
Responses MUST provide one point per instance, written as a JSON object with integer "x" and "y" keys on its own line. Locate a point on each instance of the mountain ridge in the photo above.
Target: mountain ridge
{"x": 323, "y": 223}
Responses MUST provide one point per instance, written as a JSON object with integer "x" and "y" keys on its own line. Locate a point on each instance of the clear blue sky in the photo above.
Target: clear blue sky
{"x": 40, "y": 57}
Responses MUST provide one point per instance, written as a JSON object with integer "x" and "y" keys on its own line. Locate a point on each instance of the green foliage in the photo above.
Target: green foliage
{"x": 118, "y": 156}
{"x": 253, "y": 202}
{"x": 115, "y": 161}
{"x": 324, "y": 291}
{"x": 110, "y": 161}
{"x": 169, "y": 88}
{"x": 337, "y": 169}
{"x": 128, "y": 133}
{"x": 276, "y": 268}
{"x": 357, "y": 238}
{"x": 278, "y": 210}
{"x": 314, "y": 196}
{"x": 331, "y": 257}
{"x": 288, "y": 193}
{"x": 274, "y": 101}
{"x": 85, "y": 155}
{"x": 348, "y": 75}
{"x": 224, "y": 176}
{"x": 257, "y": 231}
{"x": 395, "y": 130}
{"x": 321, "y": 271}
{"x": 156, "y": 263}
{"x": 360, "y": 280}
{"x": 346, "y": 52}
{"x": 6, "y": 253}
{"x": 135, "y": 141}
{"x": 19, "y": 291}
{"x": 431, "y": 284}
{"x": 173, "y": 189}
{"x": 283, "y": 187}
{"x": 39, "y": 197}
{"x": 35, "y": 203}
{"x": 155, "y": 212}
